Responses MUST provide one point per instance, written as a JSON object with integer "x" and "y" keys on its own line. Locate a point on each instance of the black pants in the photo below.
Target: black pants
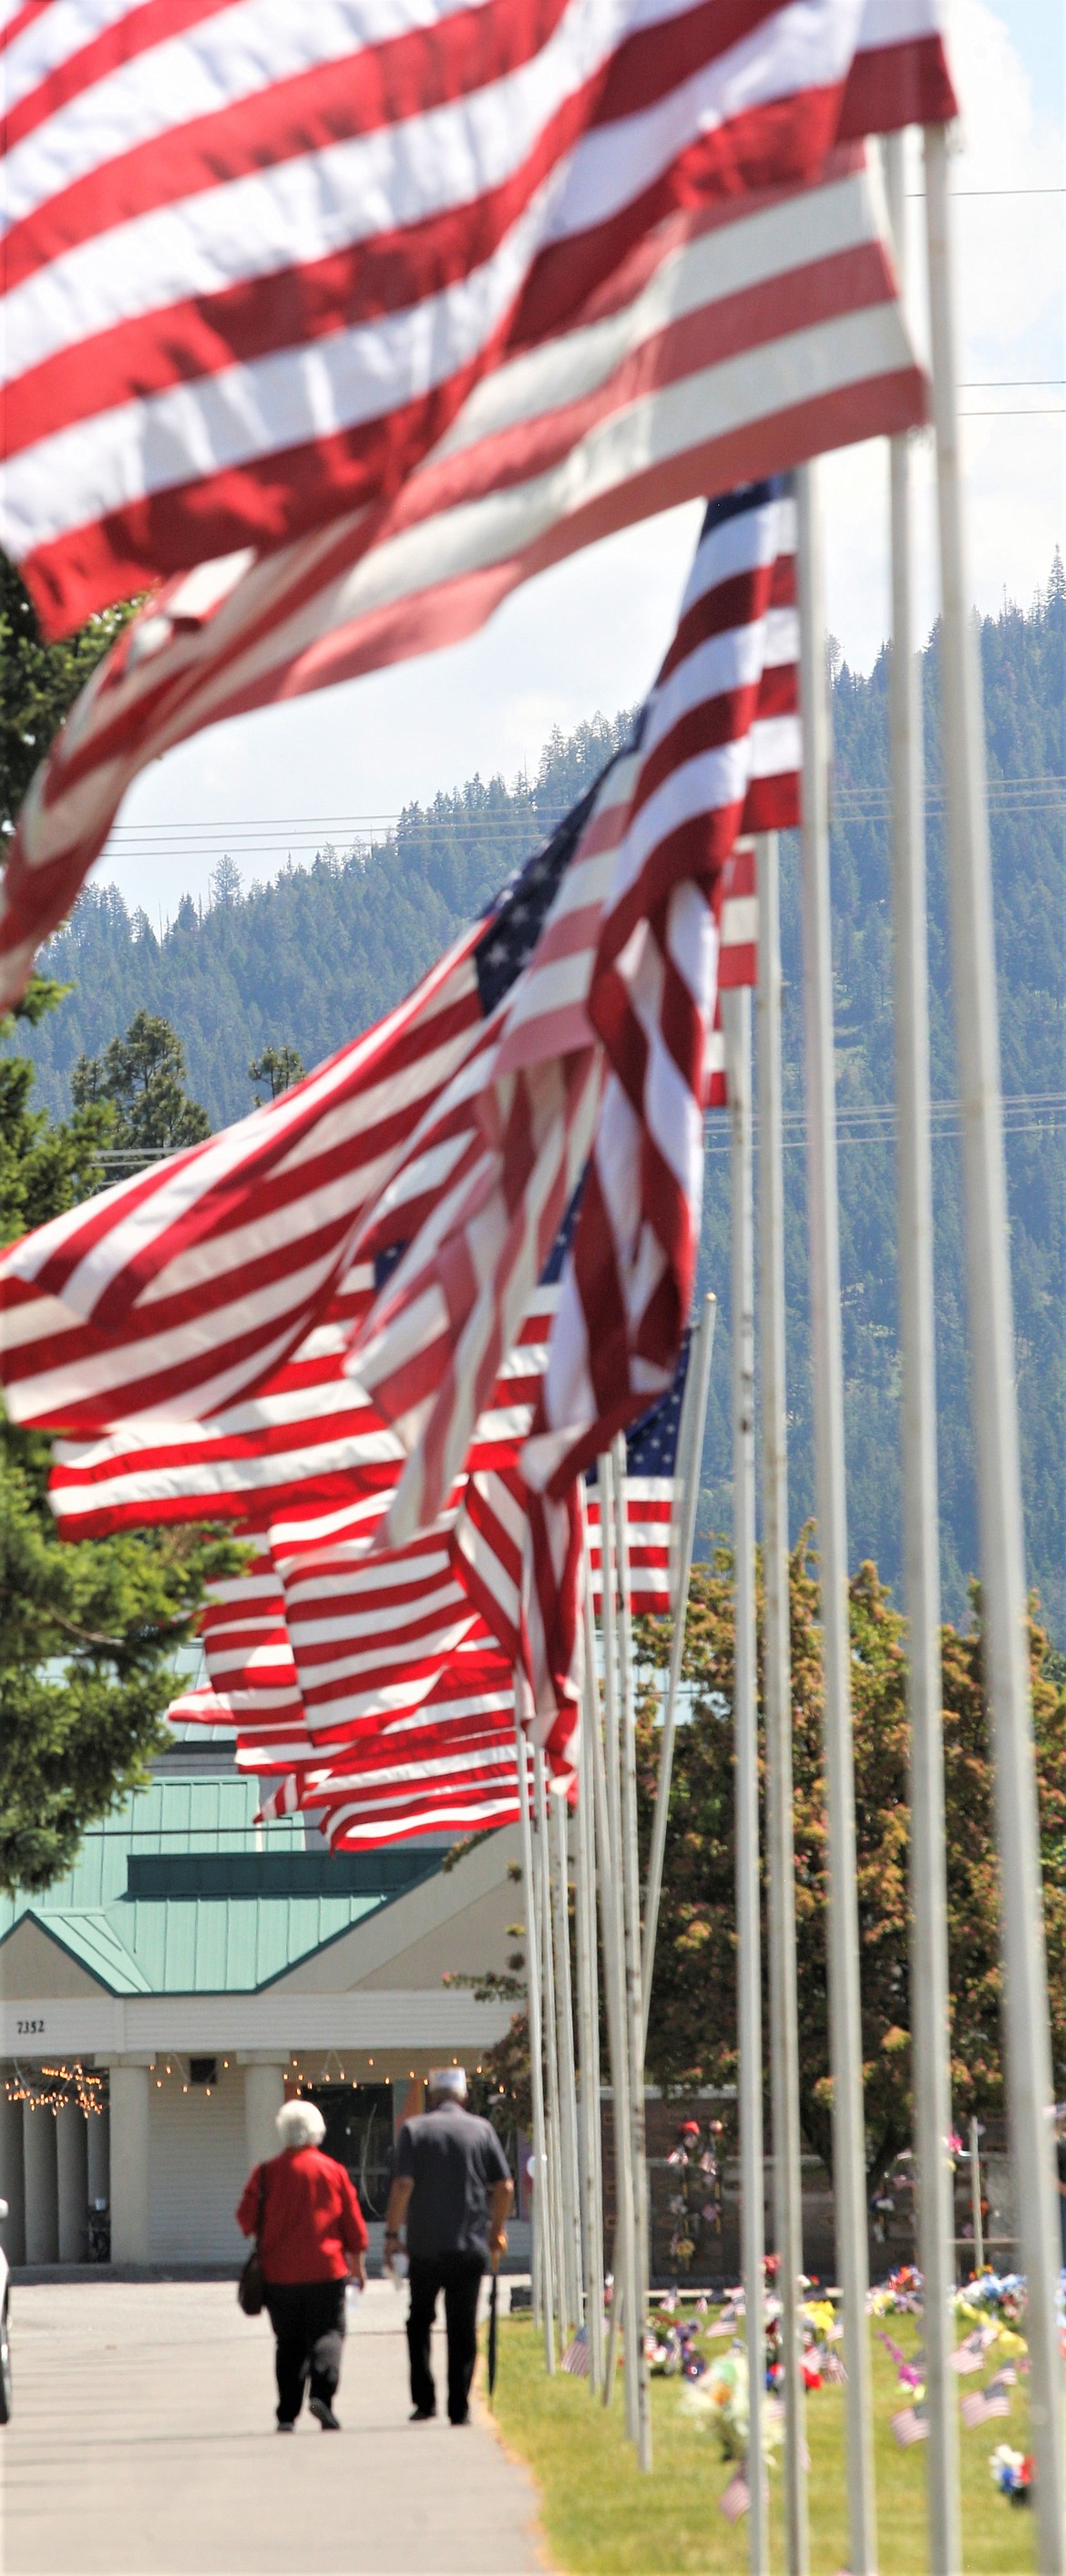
{"x": 308, "y": 2321}
{"x": 459, "y": 2276}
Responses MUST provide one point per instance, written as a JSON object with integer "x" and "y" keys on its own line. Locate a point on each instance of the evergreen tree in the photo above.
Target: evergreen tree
{"x": 142, "y": 1078}
{"x": 276, "y": 1070}
{"x": 87, "y": 1631}
{"x": 39, "y": 682}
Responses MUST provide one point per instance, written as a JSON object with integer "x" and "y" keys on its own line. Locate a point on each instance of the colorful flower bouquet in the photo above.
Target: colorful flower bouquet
{"x": 1012, "y": 2473}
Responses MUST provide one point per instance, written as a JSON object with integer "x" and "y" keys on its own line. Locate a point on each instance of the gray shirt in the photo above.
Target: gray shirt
{"x": 453, "y": 2159}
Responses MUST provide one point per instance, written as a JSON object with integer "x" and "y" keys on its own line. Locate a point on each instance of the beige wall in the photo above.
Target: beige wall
{"x": 31, "y": 1963}
{"x": 456, "y": 1921}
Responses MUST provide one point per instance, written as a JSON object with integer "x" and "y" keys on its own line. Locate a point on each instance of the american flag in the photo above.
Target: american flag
{"x": 628, "y": 1279}
{"x": 523, "y": 1117}
{"x": 258, "y": 257}
{"x": 734, "y": 338}
{"x": 178, "y": 1293}
{"x": 650, "y": 1496}
{"x": 984, "y": 2405}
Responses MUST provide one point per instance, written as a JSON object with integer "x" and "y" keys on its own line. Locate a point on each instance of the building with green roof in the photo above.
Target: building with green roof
{"x": 191, "y": 1970}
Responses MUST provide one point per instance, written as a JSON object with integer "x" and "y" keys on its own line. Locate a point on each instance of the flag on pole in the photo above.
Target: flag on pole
{"x": 179, "y": 1292}
{"x": 651, "y": 1495}
{"x": 660, "y": 826}
{"x": 257, "y": 260}
{"x": 628, "y": 1279}
{"x": 734, "y": 339}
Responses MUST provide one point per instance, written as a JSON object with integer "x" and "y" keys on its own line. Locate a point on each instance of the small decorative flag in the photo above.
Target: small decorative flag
{"x": 983, "y": 2405}
{"x": 910, "y": 2425}
{"x": 576, "y": 2356}
{"x": 737, "y": 2498}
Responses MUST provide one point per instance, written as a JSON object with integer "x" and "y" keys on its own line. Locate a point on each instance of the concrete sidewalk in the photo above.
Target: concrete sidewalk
{"x": 142, "y": 2443}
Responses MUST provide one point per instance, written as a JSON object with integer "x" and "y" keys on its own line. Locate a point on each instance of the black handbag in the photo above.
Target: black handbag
{"x": 251, "y": 2288}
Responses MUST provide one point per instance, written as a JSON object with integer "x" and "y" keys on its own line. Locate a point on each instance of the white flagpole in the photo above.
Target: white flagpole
{"x": 551, "y": 2050}
{"x": 777, "y": 1701}
{"x": 588, "y": 2025}
{"x": 564, "y": 2005}
{"x": 994, "y": 1408}
{"x": 613, "y": 1907}
{"x": 914, "y": 1181}
{"x": 736, "y": 1022}
{"x": 689, "y": 1456}
{"x": 849, "y": 2156}
{"x": 541, "y": 2212}
{"x": 637, "y": 2281}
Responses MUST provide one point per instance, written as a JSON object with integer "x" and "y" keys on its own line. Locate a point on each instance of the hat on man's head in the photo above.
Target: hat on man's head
{"x": 448, "y": 2079}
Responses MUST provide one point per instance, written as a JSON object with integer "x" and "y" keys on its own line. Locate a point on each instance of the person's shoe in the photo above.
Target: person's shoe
{"x": 458, "y": 2419}
{"x": 422, "y": 2415}
{"x": 323, "y": 2412}
{"x": 285, "y": 2425}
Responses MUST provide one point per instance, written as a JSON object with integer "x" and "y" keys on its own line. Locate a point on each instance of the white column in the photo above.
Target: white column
{"x": 921, "y": 1539}
{"x": 845, "y": 2030}
{"x": 736, "y": 1021}
{"x": 264, "y": 2093}
{"x": 99, "y": 2156}
{"x": 130, "y": 2232}
{"x": 72, "y": 2179}
{"x": 39, "y": 2168}
{"x": 12, "y": 2179}
{"x": 994, "y": 1407}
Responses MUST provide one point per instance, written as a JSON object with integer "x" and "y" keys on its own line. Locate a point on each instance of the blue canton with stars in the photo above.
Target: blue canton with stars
{"x": 517, "y": 917}
{"x": 651, "y": 1443}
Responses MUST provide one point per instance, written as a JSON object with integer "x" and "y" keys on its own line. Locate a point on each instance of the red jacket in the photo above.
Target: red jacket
{"x": 311, "y": 2217}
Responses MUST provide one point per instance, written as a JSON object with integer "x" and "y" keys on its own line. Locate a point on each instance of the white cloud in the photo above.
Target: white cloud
{"x": 588, "y": 635}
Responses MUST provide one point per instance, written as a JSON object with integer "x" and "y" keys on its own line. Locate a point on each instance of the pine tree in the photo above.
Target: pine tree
{"x": 142, "y": 1077}
{"x": 276, "y": 1069}
{"x": 87, "y": 1632}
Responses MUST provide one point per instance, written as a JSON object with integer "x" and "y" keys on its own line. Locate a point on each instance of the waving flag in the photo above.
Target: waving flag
{"x": 636, "y": 902}
{"x": 180, "y": 1291}
{"x": 734, "y": 339}
{"x": 650, "y": 1494}
{"x": 628, "y": 1279}
{"x": 454, "y": 1768}
{"x": 257, "y": 256}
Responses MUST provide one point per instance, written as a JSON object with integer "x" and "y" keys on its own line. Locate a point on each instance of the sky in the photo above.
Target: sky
{"x": 590, "y": 634}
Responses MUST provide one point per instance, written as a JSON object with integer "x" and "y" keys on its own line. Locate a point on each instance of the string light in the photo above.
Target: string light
{"x": 57, "y": 2089}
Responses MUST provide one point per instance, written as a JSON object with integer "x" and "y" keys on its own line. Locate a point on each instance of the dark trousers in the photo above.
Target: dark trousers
{"x": 459, "y": 2276}
{"x": 308, "y": 2321}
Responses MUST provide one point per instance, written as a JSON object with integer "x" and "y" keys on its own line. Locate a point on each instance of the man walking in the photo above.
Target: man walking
{"x": 453, "y": 2189}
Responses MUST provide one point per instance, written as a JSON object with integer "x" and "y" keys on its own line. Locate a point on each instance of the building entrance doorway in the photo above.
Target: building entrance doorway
{"x": 358, "y": 2121}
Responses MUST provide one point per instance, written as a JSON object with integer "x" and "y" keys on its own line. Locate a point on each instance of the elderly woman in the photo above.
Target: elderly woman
{"x": 311, "y": 2234}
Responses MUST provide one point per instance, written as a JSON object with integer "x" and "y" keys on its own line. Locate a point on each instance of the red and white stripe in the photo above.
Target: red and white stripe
{"x": 179, "y": 1291}
{"x": 733, "y": 340}
{"x": 527, "y": 1101}
{"x": 649, "y": 1502}
{"x": 309, "y": 1458}
{"x": 256, "y": 258}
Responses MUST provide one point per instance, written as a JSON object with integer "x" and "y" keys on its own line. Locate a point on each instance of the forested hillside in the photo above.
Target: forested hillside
{"x": 310, "y": 959}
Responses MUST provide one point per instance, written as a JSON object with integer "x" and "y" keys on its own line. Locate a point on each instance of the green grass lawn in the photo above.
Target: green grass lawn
{"x": 600, "y": 2516}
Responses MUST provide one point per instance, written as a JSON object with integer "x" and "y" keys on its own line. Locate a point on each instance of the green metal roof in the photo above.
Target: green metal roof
{"x": 169, "y": 1926}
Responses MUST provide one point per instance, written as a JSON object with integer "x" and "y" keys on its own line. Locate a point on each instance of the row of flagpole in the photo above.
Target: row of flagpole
{"x": 571, "y": 2251}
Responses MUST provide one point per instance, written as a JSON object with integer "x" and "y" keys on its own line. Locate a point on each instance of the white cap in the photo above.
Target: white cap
{"x": 448, "y": 2079}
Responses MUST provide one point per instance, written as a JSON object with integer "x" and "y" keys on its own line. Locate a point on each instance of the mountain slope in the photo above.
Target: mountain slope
{"x": 312, "y": 958}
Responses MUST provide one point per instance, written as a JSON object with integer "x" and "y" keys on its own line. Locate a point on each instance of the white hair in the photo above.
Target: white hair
{"x": 448, "y": 2081}
{"x": 300, "y": 2124}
